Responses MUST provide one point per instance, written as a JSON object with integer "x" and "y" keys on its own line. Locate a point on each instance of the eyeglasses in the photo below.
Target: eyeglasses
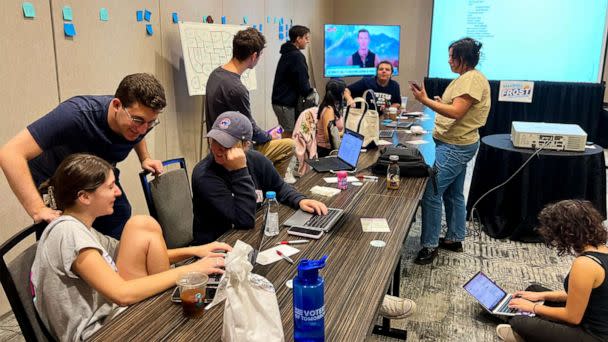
{"x": 138, "y": 121}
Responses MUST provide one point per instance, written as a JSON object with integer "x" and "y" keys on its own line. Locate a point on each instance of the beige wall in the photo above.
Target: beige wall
{"x": 40, "y": 67}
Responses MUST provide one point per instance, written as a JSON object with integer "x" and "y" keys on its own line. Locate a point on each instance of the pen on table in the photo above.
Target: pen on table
{"x": 292, "y": 242}
{"x": 285, "y": 257}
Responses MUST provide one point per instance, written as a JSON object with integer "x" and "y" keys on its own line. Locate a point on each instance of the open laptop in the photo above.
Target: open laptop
{"x": 315, "y": 222}
{"x": 347, "y": 158}
{"x": 494, "y": 299}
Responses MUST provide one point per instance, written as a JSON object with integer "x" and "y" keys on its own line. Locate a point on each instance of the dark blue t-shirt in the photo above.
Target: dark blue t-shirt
{"x": 78, "y": 125}
{"x": 391, "y": 92}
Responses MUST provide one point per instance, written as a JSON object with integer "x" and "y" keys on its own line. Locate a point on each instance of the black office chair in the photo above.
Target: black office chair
{"x": 169, "y": 200}
{"x": 15, "y": 279}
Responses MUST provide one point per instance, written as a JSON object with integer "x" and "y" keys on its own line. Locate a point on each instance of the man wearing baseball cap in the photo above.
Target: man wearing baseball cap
{"x": 228, "y": 185}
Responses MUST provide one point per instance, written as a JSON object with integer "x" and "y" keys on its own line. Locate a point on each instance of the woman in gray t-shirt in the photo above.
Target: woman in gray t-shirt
{"x": 81, "y": 277}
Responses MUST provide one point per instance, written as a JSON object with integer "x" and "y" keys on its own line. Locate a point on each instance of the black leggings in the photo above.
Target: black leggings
{"x": 541, "y": 329}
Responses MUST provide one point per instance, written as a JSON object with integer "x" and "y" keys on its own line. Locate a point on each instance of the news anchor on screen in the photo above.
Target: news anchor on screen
{"x": 363, "y": 57}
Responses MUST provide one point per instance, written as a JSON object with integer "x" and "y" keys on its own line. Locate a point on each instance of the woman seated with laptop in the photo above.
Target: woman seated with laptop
{"x": 580, "y": 313}
{"x": 330, "y": 115}
{"x": 80, "y": 277}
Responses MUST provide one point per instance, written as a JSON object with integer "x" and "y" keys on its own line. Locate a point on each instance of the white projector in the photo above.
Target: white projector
{"x": 553, "y": 136}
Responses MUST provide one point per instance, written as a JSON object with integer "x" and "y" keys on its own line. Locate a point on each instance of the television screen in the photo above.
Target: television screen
{"x": 541, "y": 40}
{"x": 356, "y": 50}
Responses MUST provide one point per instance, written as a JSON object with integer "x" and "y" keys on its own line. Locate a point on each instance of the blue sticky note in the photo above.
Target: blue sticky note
{"x": 147, "y": 15}
{"x": 140, "y": 15}
{"x": 255, "y": 26}
{"x": 103, "y": 14}
{"x": 281, "y": 36}
{"x": 67, "y": 13}
{"x": 245, "y": 20}
{"x": 175, "y": 17}
{"x": 268, "y": 20}
{"x": 28, "y": 10}
{"x": 275, "y": 20}
{"x": 223, "y": 20}
{"x": 149, "y": 29}
{"x": 280, "y": 28}
{"x": 260, "y": 27}
{"x": 281, "y": 21}
{"x": 69, "y": 30}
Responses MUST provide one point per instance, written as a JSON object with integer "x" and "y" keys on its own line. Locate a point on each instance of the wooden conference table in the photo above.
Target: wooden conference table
{"x": 357, "y": 275}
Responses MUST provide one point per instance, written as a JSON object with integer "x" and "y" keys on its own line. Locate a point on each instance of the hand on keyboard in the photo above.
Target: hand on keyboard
{"x": 313, "y": 207}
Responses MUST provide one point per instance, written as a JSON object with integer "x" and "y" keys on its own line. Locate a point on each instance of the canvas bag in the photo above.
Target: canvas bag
{"x": 363, "y": 120}
{"x": 251, "y": 312}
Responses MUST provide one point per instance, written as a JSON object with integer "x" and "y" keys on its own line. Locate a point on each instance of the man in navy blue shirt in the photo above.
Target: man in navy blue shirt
{"x": 106, "y": 126}
{"x": 386, "y": 90}
{"x": 228, "y": 185}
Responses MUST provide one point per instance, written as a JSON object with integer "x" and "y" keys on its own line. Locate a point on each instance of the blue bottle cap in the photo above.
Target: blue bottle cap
{"x": 271, "y": 194}
{"x": 310, "y": 268}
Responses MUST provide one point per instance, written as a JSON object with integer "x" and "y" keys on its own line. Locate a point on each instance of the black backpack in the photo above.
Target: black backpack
{"x": 411, "y": 163}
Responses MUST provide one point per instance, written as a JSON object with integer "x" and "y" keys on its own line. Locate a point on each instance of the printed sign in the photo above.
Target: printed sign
{"x": 516, "y": 91}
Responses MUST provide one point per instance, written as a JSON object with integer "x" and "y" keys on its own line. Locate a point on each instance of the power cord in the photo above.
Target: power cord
{"x": 476, "y": 226}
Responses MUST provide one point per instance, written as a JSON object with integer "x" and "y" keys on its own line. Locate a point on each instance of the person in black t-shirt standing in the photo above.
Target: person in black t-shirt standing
{"x": 363, "y": 57}
{"x": 105, "y": 126}
{"x": 386, "y": 90}
{"x": 291, "y": 79}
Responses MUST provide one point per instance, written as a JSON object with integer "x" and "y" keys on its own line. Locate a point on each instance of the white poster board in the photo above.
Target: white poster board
{"x": 516, "y": 91}
{"x": 206, "y": 47}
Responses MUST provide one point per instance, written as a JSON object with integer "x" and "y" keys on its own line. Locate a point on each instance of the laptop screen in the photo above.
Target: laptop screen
{"x": 485, "y": 291}
{"x": 350, "y": 147}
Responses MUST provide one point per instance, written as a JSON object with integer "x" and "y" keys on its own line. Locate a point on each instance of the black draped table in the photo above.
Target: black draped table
{"x": 511, "y": 211}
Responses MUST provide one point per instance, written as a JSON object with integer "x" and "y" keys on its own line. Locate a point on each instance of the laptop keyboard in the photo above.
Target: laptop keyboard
{"x": 321, "y": 221}
{"x": 505, "y": 307}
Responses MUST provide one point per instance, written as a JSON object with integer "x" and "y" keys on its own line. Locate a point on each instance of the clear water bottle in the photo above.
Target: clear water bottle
{"x": 271, "y": 223}
{"x": 308, "y": 302}
{"x": 393, "y": 178}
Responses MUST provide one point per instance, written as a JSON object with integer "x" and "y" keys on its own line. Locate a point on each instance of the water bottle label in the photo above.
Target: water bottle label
{"x": 272, "y": 224}
{"x": 309, "y": 315}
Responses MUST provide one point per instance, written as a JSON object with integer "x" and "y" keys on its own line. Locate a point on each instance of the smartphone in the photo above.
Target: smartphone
{"x": 209, "y": 294}
{"x": 305, "y": 232}
{"x": 415, "y": 85}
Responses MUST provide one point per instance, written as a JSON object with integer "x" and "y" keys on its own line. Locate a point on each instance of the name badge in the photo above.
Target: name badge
{"x": 259, "y": 196}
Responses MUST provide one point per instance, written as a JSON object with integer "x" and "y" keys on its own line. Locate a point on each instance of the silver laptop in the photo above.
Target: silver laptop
{"x": 494, "y": 299}
{"x": 316, "y": 222}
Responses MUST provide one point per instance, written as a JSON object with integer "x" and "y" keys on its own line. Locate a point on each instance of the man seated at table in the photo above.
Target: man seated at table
{"x": 229, "y": 183}
{"x": 386, "y": 89}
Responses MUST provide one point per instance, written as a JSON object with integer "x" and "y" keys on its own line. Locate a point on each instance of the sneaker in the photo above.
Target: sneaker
{"x": 289, "y": 178}
{"x": 426, "y": 256}
{"x": 452, "y": 246}
{"x": 506, "y": 333}
{"x": 397, "y": 308}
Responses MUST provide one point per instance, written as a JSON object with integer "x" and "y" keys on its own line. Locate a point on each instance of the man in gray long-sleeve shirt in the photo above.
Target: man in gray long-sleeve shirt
{"x": 226, "y": 92}
{"x": 229, "y": 183}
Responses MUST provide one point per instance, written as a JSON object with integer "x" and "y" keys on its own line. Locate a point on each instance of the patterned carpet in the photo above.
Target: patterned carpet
{"x": 445, "y": 312}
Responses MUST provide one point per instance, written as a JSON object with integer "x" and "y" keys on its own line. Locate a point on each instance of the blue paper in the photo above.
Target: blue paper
{"x": 275, "y": 20}
{"x": 281, "y": 21}
{"x": 281, "y": 36}
{"x": 223, "y": 20}
{"x": 245, "y": 20}
{"x": 281, "y": 28}
{"x": 140, "y": 15}
{"x": 147, "y": 15}
{"x": 268, "y": 19}
{"x": 67, "y": 13}
{"x": 28, "y": 10}
{"x": 255, "y": 26}
{"x": 149, "y": 29}
{"x": 69, "y": 30}
{"x": 175, "y": 17}
{"x": 260, "y": 27}
{"x": 103, "y": 14}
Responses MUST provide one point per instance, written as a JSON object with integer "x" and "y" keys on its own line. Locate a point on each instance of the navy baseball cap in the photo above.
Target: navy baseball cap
{"x": 231, "y": 127}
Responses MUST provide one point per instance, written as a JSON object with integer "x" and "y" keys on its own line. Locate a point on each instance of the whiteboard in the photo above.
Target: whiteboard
{"x": 206, "y": 47}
